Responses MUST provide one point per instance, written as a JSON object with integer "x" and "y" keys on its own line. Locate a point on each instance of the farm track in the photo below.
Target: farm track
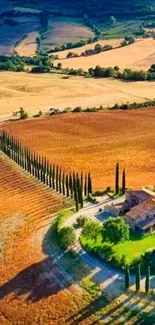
{"x": 33, "y": 288}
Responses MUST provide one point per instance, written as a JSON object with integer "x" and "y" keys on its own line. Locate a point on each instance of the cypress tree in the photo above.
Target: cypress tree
{"x": 123, "y": 181}
{"x": 147, "y": 281}
{"x": 117, "y": 179}
{"x": 127, "y": 278}
{"x": 85, "y": 186}
{"x": 76, "y": 198}
{"x": 82, "y": 181}
{"x": 50, "y": 176}
{"x": 89, "y": 184}
{"x": 67, "y": 185}
{"x": 138, "y": 277}
{"x": 57, "y": 176}
{"x": 71, "y": 184}
{"x": 42, "y": 161}
{"x": 63, "y": 183}
{"x": 47, "y": 173}
{"x": 60, "y": 180}
{"x": 33, "y": 157}
{"x": 78, "y": 189}
{"x": 36, "y": 165}
{"x": 44, "y": 170}
{"x": 39, "y": 166}
{"x": 53, "y": 177}
{"x": 81, "y": 196}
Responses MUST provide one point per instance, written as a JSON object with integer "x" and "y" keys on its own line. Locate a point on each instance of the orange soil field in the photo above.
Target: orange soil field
{"x": 33, "y": 288}
{"x": 95, "y": 142}
{"x": 140, "y": 55}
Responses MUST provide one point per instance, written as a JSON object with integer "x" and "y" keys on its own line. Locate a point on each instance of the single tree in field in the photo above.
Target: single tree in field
{"x": 117, "y": 179}
{"x": 147, "y": 281}
{"x": 127, "y": 278}
{"x": 123, "y": 181}
{"x": 138, "y": 277}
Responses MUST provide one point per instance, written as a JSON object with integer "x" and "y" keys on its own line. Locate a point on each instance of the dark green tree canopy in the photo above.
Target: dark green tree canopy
{"x": 116, "y": 230}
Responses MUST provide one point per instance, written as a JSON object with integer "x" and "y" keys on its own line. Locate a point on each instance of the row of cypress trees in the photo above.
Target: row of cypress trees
{"x": 117, "y": 185}
{"x": 138, "y": 279}
{"x": 72, "y": 185}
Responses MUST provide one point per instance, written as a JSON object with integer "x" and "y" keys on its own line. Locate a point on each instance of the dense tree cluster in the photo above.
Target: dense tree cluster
{"x": 114, "y": 230}
{"x": 18, "y": 63}
{"x": 72, "y": 185}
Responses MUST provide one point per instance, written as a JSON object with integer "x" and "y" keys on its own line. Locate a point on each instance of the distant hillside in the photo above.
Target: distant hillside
{"x": 94, "y": 7}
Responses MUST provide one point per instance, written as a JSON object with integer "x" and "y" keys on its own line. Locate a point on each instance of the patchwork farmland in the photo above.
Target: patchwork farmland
{"x": 140, "y": 55}
{"x": 95, "y": 142}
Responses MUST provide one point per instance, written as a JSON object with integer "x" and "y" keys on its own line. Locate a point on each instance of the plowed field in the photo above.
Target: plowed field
{"x": 33, "y": 289}
{"x": 95, "y": 142}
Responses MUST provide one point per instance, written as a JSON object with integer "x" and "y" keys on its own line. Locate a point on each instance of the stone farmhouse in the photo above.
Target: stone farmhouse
{"x": 141, "y": 210}
{"x": 138, "y": 210}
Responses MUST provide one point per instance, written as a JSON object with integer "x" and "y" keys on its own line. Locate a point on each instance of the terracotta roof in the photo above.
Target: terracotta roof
{"x": 142, "y": 194}
{"x": 146, "y": 223}
{"x": 142, "y": 209}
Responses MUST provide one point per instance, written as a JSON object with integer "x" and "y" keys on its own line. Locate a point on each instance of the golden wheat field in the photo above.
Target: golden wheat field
{"x": 140, "y": 55}
{"x": 41, "y": 92}
{"x": 95, "y": 142}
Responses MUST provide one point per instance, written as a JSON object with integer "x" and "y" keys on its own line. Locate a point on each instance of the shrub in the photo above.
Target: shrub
{"x": 67, "y": 237}
{"x": 77, "y": 109}
{"x": 91, "y": 230}
{"x": 81, "y": 220}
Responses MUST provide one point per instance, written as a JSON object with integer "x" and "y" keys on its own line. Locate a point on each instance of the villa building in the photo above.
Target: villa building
{"x": 135, "y": 197}
{"x": 141, "y": 218}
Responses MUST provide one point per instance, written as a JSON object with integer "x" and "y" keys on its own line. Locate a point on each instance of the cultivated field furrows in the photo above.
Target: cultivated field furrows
{"x": 33, "y": 288}
{"x": 95, "y": 142}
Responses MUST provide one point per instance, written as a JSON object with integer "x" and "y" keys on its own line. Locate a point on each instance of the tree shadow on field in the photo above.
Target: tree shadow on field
{"x": 38, "y": 281}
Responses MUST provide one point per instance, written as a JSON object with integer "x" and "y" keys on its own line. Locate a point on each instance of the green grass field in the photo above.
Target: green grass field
{"x": 130, "y": 250}
{"x": 134, "y": 247}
